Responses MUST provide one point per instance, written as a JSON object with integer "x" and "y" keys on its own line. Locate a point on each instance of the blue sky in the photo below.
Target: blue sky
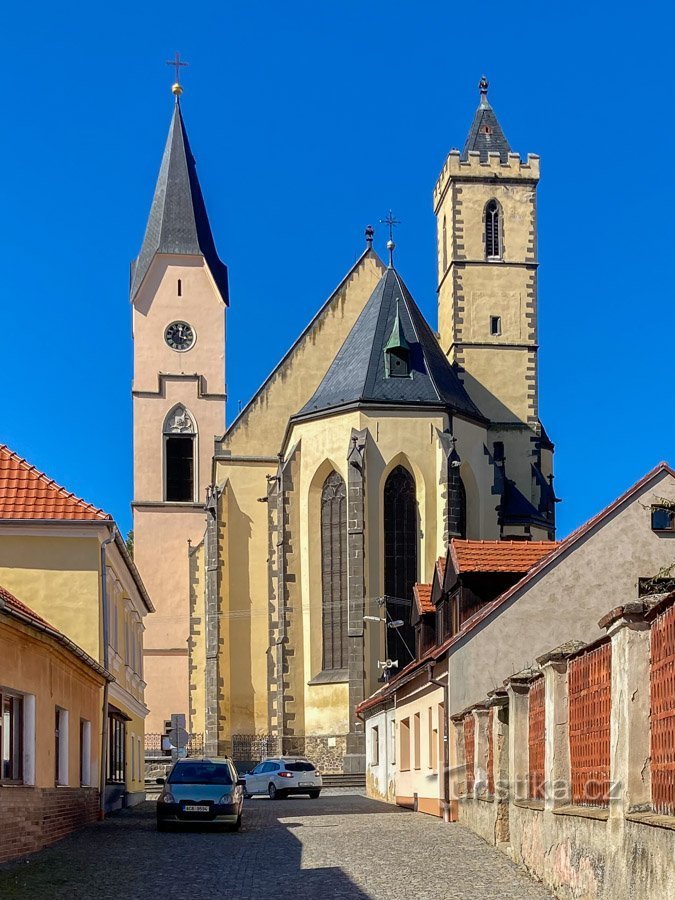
{"x": 308, "y": 121}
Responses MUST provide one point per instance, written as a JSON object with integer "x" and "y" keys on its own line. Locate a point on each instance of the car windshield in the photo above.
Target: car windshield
{"x": 299, "y": 767}
{"x": 201, "y": 773}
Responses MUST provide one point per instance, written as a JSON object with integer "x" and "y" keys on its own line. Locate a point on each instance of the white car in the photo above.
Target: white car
{"x": 281, "y": 776}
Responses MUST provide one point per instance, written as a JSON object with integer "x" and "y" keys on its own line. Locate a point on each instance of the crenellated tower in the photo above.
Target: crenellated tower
{"x": 485, "y": 201}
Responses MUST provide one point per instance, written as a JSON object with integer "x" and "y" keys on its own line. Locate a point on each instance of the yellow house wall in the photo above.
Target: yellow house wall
{"x": 35, "y": 664}
{"x": 58, "y": 577}
{"x": 197, "y": 723}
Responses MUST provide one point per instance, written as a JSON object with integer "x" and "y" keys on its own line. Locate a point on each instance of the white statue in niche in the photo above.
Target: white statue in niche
{"x": 179, "y": 422}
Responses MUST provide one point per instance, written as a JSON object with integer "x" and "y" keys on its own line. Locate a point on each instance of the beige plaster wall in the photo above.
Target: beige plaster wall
{"x": 420, "y": 697}
{"x": 32, "y": 663}
{"x": 58, "y": 577}
{"x": 566, "y": 602}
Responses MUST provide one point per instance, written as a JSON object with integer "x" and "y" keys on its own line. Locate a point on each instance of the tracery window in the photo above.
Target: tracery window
{"x": 179, "y": 456}
{"x": 493, "y": 235}
{"x": 334, "y": 572}
{"x": 400, "y": 560}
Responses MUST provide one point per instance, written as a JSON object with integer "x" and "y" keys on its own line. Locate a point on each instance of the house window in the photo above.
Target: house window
{"x": 11, "y": 737}
{"x": 400, "y": 559}
{"x": 375, "y": 746}
{"x": 493, "y": 249}
{"x": 85, "y": 752}
{"x": 663, "y": 518}
{"x": 393, "y": 743}
{"x": 417, "y": 736}
{"x": 61, "y": 746}
{"x": 179, "y": 456}
{"x": 116, "y": 749}
{"x": 495, "y": 326}
{"x": 432, "y": 740}
{"x": 334, "y": 572}
{"x": 404, "y": 741}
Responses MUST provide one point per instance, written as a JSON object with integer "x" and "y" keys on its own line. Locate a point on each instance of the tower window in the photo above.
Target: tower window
{"x": 495, "y": 325}
{"x": 493, "y": 237}
{"x": 179, "y": 456}
{"x": 180, "y": 288}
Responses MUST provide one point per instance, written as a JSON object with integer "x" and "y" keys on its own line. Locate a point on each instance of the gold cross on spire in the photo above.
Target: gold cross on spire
{"x": 178, "y": 64}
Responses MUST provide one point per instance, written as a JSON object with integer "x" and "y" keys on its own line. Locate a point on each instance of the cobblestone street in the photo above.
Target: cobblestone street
{"x": 342, "y": 845}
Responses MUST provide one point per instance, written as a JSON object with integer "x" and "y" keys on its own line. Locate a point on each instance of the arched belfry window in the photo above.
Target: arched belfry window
{"x": 180, "y": 437}
{"x": 493, "y": 231}
{"x": 334, "y": 572}
{"x": 400, "y": 559}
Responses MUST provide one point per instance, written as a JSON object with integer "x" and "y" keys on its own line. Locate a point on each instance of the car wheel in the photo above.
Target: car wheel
{"x": 273, "y": 792}
{"x": 237, "y": 824}
{"x": 314, "y": 794}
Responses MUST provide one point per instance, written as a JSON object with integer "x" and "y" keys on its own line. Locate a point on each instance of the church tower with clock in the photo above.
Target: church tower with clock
{"x": 179, "y": 294}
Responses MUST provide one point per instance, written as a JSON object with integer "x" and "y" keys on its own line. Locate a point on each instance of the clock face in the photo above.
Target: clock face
{"x": 179, "y": 336}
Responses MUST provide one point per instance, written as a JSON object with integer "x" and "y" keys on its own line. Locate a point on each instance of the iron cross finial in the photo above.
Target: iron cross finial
{"x": 178, "y": 64}
{"x": 391, "y": 221}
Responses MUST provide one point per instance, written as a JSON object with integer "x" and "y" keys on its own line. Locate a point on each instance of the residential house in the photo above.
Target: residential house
{"x": 51, "y": 710}
{"x": 69, "y": 562}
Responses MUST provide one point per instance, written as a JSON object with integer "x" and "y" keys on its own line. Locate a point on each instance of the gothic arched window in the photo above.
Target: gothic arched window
{"x": 334, "y": 572}
{"x": 461, "y": 523}
{"x": 180, "y": 439}
{"x": 400, "y": 559}
{"x": 493, "y": 232}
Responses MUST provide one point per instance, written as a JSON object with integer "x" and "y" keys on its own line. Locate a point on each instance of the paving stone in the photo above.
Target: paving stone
{"x": 342, "y": 845}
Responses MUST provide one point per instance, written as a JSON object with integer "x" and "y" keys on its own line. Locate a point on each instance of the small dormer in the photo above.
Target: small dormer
{"x": 397, "y": 351}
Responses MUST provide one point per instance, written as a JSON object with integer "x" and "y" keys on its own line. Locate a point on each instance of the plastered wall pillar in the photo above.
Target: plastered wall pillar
{"x": 517, "y": 692}
{"x": 482, "y": 721}
{"x": 557, "y": 774}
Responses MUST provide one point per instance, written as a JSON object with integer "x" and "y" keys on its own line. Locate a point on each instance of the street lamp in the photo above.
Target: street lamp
{"x": 396, "y": 623}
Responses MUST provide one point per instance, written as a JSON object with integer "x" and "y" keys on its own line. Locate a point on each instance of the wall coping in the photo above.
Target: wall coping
{"x": 583, "y": 812}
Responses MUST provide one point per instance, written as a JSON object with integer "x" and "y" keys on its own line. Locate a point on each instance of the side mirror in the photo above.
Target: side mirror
{"x": 160, "y": 780}
{"x": 241, "y": 782}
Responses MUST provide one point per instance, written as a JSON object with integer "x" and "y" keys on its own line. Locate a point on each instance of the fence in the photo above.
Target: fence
{"x": 662, "y": 719}
{"x": 536, "y": 740}
{"x": 153, "y": 745}
{"x": 590, "y": 700}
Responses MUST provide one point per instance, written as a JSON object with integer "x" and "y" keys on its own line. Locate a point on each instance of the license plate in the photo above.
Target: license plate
{"x": 193, "y": 808}
{"x": 306, "y": 784}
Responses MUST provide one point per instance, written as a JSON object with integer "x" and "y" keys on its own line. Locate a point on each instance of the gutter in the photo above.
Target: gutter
{"x": 446, "y": 742}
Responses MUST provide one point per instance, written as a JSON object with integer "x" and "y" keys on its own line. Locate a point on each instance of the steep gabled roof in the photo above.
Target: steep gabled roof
{"x": 422, "y": 594}
{"x": 358, "y": 373}
{"x": 27, "y": 493}
{"x": 498, "y": 556}
{"x": 486, "y": 135}
{"x": 178, "y": 222}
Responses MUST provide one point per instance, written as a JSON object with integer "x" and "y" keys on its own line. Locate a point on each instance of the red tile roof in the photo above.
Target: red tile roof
{"x": 498, "y": 556}
{"x": 13, "y": 603}
{"x": 440, "y": 568}
{"x": 27, "y": 493}
{"x": 423, "y": 598}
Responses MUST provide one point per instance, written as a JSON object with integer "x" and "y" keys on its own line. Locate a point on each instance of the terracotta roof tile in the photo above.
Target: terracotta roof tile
{"x": 498, "y": 556}
{"x": 27, "y": 493}
{"x": 13, "y": 603}
{"x": 423, "y": 598}
{"x": 440, "y": 568}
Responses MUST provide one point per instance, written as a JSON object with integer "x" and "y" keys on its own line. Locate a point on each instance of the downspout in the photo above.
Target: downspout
{"x": 446, "y": 740}
{"x": 106, "y": 638}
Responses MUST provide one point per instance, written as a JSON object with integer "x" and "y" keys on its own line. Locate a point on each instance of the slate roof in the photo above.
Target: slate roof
{"x": 178, "y": 222}
{"x": 27, "y": 493}
{"x": 422, "y": 593}
{"x": 357, "y": 374}
{"x": 498, "y": 556}
{"x": 485, "y": 134}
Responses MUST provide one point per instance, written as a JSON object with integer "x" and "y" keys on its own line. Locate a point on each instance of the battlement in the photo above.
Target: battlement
{"x": 455, "y": 167}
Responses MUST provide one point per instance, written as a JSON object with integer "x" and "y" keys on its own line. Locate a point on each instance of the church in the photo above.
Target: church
{"x": 281, "y": 549}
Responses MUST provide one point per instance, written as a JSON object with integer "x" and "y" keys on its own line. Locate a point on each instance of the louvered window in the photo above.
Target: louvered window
{"x": 493, "y": 244}
{"x": 334, "y": 571}
{"x": 400, "y": 559}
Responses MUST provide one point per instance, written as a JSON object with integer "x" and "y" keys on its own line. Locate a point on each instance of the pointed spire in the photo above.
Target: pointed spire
{"x": 178, "y": 221}
{"x": 486, "y": 135}
{"x": 397, "y": 339}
